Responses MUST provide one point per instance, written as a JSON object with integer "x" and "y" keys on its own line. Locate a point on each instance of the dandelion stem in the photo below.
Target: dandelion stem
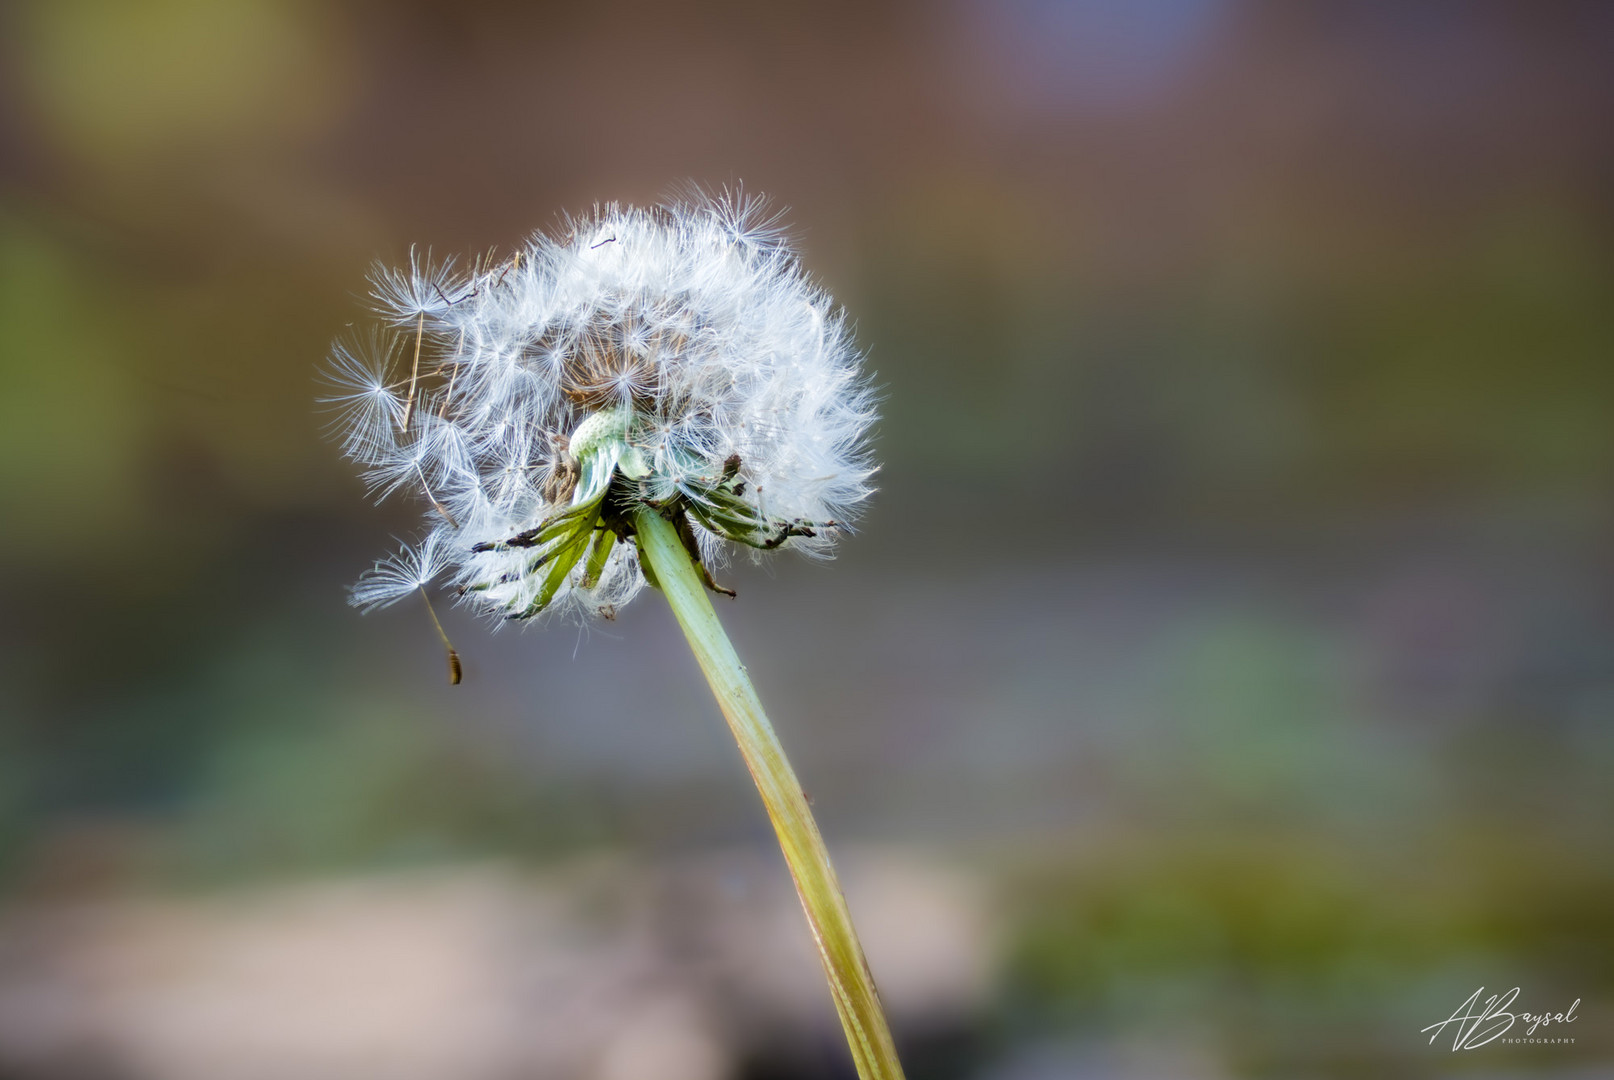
{"x": 851, "y": 984}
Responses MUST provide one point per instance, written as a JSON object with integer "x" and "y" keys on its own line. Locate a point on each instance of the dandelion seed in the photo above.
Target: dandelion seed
{"x": 414, "y": 373}
{"x": 456, "y": 671}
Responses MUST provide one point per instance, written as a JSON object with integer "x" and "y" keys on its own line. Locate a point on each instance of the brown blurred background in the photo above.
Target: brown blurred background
{"x": 1220, "y": 684}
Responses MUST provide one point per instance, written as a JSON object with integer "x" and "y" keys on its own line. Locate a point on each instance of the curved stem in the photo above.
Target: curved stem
{"x": 850, "y": 983}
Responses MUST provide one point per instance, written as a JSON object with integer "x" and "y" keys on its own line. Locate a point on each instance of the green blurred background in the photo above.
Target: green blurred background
{"x": 1220, "y": 684}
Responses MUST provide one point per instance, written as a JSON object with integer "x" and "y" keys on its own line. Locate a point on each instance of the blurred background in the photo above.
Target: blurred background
{"x": 1219, "y": 686}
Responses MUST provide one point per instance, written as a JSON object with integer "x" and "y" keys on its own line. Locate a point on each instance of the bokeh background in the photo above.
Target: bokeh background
{"x": 1219, "y": 686}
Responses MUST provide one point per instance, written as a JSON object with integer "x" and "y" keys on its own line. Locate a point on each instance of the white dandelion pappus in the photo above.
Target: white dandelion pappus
{"x": 398, "y": 576}
{"x": 675, "y": 357}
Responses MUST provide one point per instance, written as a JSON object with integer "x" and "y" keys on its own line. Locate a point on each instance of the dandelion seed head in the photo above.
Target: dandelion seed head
{"x": 675, "y": 356}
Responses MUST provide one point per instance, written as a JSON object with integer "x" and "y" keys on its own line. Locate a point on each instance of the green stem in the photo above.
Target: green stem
{"x": 850, "y": 983}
